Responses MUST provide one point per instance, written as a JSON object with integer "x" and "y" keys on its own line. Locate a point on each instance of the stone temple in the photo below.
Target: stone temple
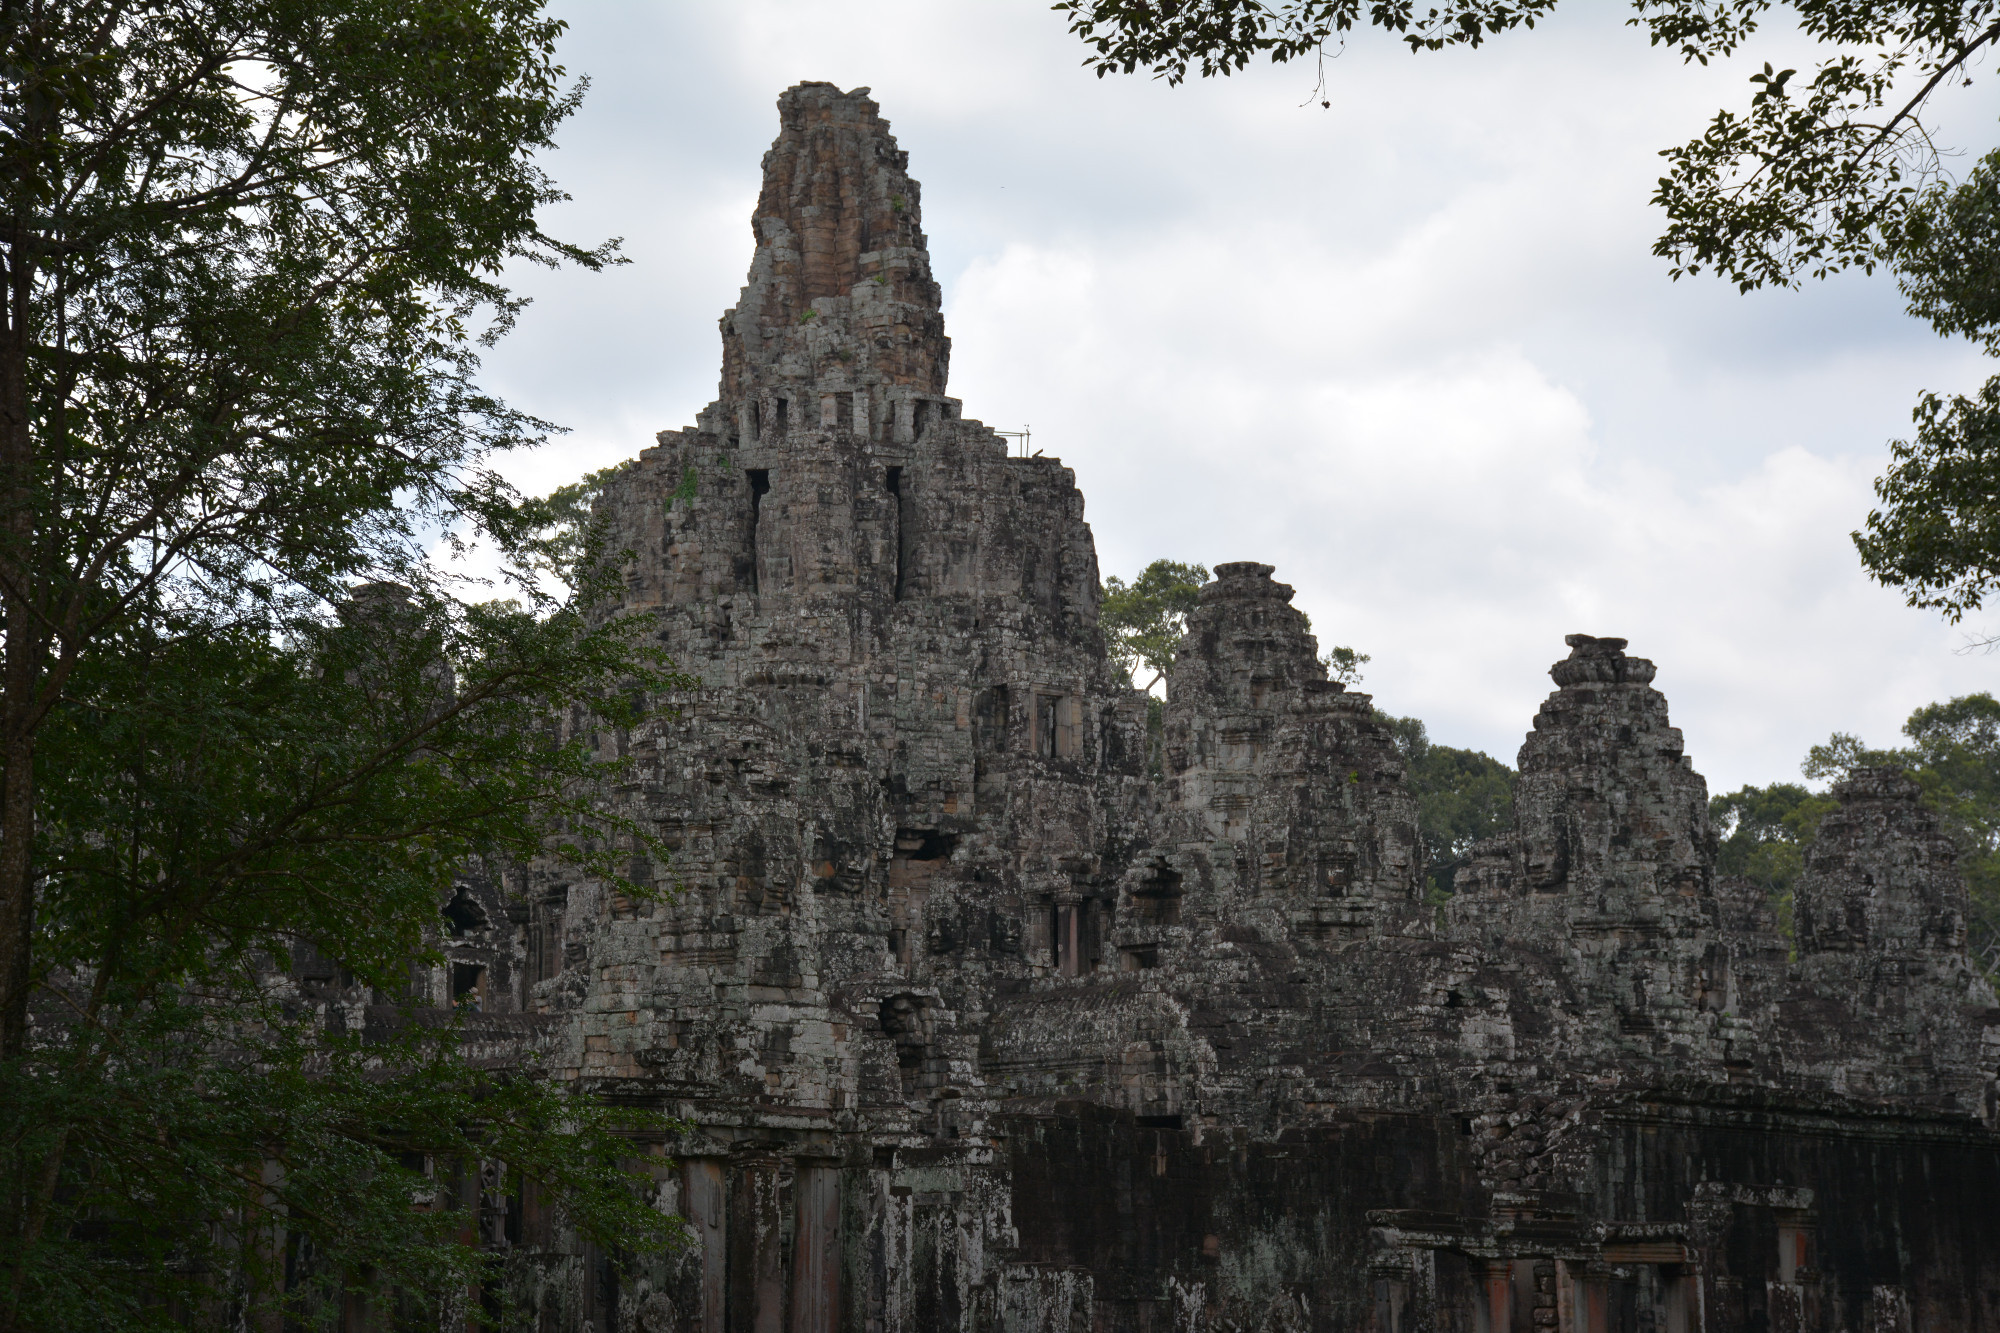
{"x": 986, "y": 1008}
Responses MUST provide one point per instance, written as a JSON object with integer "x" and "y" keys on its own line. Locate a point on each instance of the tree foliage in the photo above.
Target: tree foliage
{"x": 214, "y": 802}
{"x": 250, "y": 251}
{"x": 1220, "y": 37}
{"x": 1814, "y": 174}
{"x": 1344, "y": 664}
{"x": 1762, "y": 836}
{"x": 1936, "y": 530}
{"x": 1463, "y": 796}
{"x": 1143, "y": 620}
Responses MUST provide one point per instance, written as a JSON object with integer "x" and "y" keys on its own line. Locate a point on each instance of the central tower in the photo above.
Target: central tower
{"x": 840, "y": 323}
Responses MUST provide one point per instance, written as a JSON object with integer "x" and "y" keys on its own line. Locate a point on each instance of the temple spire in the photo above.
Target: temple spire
{"x": 840, "y": 295}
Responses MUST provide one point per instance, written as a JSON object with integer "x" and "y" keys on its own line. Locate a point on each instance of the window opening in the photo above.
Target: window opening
{"x": 545, "y": 937}
{"x": 1157, "y": 898}
{"x": 1072, "y": 939}
{"x": 760, "y": 486}
{"x": 468, "y": 986}
{"x": 784, "y": 410}
{"x": 902, "y": 528}
{"x": 462, "y": 914}
{"x": 1138, "y": 957}
{"x": 919, "y": 417}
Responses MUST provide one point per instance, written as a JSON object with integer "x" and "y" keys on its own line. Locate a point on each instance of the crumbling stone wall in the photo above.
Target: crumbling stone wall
{"x": 975, "y": 1023}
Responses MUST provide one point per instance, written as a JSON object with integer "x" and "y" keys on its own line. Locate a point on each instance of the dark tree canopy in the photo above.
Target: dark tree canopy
{"x": 250, "y": 251}
{"x": 1936, "y": 531}
{"x": 1763, "y": 833}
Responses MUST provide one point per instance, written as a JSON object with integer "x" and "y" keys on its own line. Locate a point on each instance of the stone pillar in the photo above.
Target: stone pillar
{"x": 1499, "y": 1283}
{"x": 816, "y": 1249}
{"x": 1596, "y": 1305}
{"x": 756, "y": 1251}
{"x": 708, "y": 1216}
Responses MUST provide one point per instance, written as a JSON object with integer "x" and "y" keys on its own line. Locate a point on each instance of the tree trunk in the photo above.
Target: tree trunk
{"x": 20, "y": 670}
{"x": 17, "y": 827}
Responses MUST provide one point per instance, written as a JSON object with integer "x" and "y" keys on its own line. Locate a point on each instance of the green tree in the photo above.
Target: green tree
{"x": 1462, "y": 796}
{"x": 249, "y": 250}
{"x": 1763, "y": 833}
{"x": 1344, "y": 664}
{"x": 1954, "y": 754}
{"x": 1143, "y": 620}
{"x": 1936, "y": 530}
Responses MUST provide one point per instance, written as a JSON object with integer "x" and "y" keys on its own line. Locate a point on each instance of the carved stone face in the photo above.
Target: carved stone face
{"x": 900, "y": 1015}
{"x": 657, "y": 1315}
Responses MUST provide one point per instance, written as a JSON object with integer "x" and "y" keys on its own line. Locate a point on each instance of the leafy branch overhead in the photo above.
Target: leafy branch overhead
{"x": 1935, "y": 532}
{"x": 1819, "y": 170}
{"x": 1815, "y": 173}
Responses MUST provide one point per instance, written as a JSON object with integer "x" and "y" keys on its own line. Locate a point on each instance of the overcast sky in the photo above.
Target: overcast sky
{"x": 1412, "y": 349}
